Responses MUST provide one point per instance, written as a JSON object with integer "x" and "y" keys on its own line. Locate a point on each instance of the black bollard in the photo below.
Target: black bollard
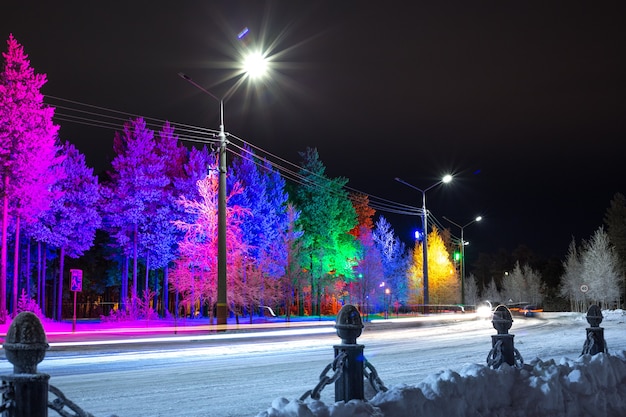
{"x": 595, "y": 334}
{"x": 349, "y": 386}
{"x": 25, "y": 346}
{"x": 502, "y": 322}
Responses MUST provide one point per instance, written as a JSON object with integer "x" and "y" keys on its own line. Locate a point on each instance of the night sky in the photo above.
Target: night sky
{"x": 524, "y": 102}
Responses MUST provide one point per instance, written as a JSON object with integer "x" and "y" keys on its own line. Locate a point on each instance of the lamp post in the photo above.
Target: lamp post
{"x": 463, "y": 243}
{"x": 253, "y": 67}
{"x": 446, "y": 179}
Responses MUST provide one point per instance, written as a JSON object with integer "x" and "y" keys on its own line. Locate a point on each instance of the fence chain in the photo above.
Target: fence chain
{"x": 372, "y": 376}
{"x": 495, "y": 357}
{"x": 6, "y": 389}
{"x": 61, "y": 401}
{"x": 337, "y": 365}
{"x": 590, "y": 343}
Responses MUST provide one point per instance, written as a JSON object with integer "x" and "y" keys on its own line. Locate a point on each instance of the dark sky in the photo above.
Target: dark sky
{"x": 523, "y": 101}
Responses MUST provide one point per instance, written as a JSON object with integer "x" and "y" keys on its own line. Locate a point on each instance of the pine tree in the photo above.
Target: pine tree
{"x": 326, "y": 217}
{"x": 28, "y": 151}
{"x": 134, "y": 190}
{"x": 615, "y": 221}
{"x": 572, "y": 279}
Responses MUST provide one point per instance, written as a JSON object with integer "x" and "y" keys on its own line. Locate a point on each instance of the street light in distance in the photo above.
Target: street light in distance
{"x": 463, "y": 243}
{"x": 446, "y": 179}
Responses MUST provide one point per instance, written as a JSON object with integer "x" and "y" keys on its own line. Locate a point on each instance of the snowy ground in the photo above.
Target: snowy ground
{"x": 430, "y": 371}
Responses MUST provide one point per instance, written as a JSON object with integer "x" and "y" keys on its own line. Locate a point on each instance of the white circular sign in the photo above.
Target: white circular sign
{"x": 584, "y": 288}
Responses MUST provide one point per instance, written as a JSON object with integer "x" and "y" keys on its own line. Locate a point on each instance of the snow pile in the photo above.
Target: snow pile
{"x": 590, "y": 386}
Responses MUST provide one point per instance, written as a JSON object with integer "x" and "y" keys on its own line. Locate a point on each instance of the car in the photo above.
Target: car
{"x": 530, "y": 310}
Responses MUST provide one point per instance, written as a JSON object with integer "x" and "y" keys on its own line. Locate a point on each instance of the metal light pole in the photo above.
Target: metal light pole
{"x": 446, "y": 179}
{"x": 477, "y": 219}
{"x": 222, "y": 302}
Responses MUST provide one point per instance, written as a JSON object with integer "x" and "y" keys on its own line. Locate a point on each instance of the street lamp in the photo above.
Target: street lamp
{"x": 463, "y": 243}
{"x": 446, "y": 179}
{"x": 252, "y": 69}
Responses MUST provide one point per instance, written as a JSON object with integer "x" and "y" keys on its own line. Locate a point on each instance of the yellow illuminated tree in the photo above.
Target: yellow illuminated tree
{"x": 443, "y": 280}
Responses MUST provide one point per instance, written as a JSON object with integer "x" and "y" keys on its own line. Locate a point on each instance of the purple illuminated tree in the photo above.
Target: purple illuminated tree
{"x": 369, "y": 284}
{"x": 134, "y": 190}
{"x": 28, "y": 152}
{"x": 71, "y": 222}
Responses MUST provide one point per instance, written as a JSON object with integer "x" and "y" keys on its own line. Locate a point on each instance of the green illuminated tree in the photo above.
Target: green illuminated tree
{"x": 326, "y": 218}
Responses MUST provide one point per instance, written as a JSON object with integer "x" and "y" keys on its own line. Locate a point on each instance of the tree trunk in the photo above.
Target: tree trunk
{"x": 134, "y": 293}
{"x": 43, "y": 278}
{"x": 16, "y": 271}
{"x": 166, "y": 292}
{"x": 124, "y": 289}
{"x": 3, "y": 251}
{"x": 39, "y": 275}
{"x": 60, "y": 285}
{"x": 27, "y": 268}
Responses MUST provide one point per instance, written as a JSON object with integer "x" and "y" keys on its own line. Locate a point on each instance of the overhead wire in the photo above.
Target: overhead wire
{"x": 73, "y": 111}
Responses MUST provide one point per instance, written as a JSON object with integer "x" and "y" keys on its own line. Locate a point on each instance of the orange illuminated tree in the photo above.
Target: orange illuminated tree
{"x": 443, "y": 280}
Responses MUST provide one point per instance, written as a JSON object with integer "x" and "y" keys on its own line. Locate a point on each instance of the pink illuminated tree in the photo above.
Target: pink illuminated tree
{"x": 28, "y": 152}
{"x": 198, "y": 249}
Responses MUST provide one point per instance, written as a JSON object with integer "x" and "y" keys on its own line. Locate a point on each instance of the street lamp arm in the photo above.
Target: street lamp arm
{"x": 409, "y": 185}
{"x": 198, "y": 86}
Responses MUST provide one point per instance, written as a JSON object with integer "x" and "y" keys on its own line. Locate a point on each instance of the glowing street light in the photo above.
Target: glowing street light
{"x": 446, "y": 179}
{"x": 463, "y": 243}
{"x": 257, "y": 65}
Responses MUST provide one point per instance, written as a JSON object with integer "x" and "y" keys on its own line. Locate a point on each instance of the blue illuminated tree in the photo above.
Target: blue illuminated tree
{"x": 264, "y": 195}
{"x": 134, "y": 190}
{"x": 394, "y": 257}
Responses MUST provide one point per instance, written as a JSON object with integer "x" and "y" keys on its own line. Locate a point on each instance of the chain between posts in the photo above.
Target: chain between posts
{"x": 6, "y": 390}
{"x": 372, "y": 376}
{"x": 495, "y": 358}
{"x": 61, "y": 401}
{"x": 337, "y": 365}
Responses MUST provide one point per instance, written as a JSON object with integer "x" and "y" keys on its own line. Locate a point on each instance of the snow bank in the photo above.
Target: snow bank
{"x": 590, "y": 386}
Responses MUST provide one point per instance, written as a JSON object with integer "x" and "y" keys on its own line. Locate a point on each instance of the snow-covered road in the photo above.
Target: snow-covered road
{"x": 236, "y": 380}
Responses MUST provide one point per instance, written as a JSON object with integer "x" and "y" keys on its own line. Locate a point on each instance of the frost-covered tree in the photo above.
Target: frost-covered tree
{"x": 28, "y": 152}
{"x": 600, "y": 268}
{"x": 369, "y": 283}
{"x": 471, "y": 291}
{"x": 522, "y": 285}
{"x": 394, "y": 257}
{"x": 572, "y": 279}
{"x": 491, "y": 293}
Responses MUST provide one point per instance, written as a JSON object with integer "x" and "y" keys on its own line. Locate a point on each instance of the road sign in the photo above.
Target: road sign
{"x": 584, "y": 288}
{"x": 76, "y": 280}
